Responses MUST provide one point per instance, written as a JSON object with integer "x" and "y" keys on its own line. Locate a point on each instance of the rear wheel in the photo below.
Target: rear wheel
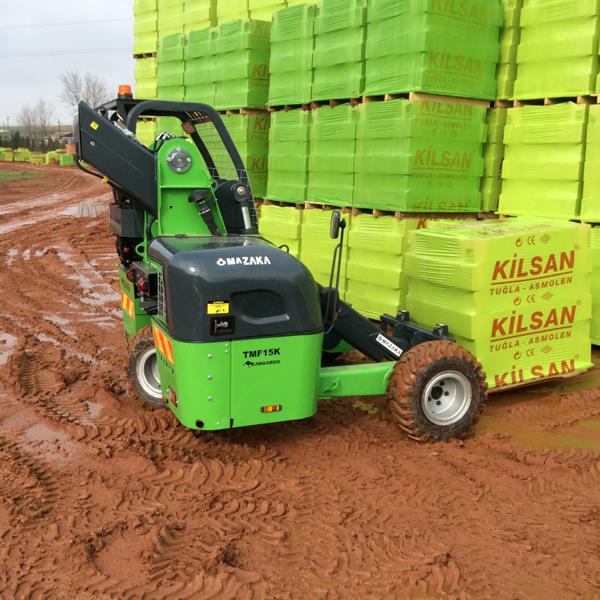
{"x": 143, "y": 368}
{"x": 437, "y": 391}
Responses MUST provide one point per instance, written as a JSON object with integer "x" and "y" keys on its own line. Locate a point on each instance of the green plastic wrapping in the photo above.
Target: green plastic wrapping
{"x": 242, "y": 51}
{"x": 263, "y": 10}
{"x": 146, "y": 131}
{"x": 145, "y": 78}
{"x": 331, "y": 157}
{"x": 171, "y": 68}
{"x": 558, "y": 48}
{"x": 543, "y": 163}
{"x": 493, "y": 158}
{"x": 281, "y": 225}
{"x": 288, "y": 156}
{"x": 199, "y": 14}
{"x": 510, "y": 34}
{"x": 144, "y": 6}
{"x": 316, "y": 246}
{"x": 590, "y": 201}
{"x": 170, "y": 18}
{"x": 447, "y": 47}
{"x": 292, "y": 42}
{"x": 200, "y": 76}
{"x": 419, "y": 156}
{"x": 250, "y": 133}
{"x": 169, "y": 125}
{"x": 595, "y": 330}
{"x": 145, "y": 32}
{"x": 516, "y": 293}
{"x": 231, "y": 10}
{"x": 338, "y": 57}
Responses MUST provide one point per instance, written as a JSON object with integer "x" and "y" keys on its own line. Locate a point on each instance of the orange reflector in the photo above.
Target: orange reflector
{"x": 125, "y": 90}
{"x": 173, "y": 396}
{"x": 270, "y": 409}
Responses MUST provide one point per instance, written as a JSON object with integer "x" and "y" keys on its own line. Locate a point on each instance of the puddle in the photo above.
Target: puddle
{"x": 11, "y": 255}
{"x": 52, "y": 441}
{"x": 89, "y": 209}
{"x": 7, "y": 345}
{"x": 60, "y": 322}
{"x": 94, "y": 408}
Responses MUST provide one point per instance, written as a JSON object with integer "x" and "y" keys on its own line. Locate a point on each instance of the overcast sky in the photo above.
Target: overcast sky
{"x": 25, "y": 79}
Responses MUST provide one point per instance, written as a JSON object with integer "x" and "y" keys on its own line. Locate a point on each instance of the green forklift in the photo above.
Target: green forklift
{"x": 226, "y": 329}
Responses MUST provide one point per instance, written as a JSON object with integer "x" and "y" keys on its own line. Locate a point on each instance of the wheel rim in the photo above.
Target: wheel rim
{"x": 148, "y": 374}
{"x": 446, "y": 398}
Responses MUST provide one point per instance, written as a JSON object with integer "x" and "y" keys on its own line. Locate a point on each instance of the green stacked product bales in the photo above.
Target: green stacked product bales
{"x": 146, "y": 131}
{"x": 338, "y": 57}
{"x": 516, "y": 293}
{"x": 200, "y": 67}
{"x": 21, "y": 155}
{"x": 6, "y": 155}
{"x": 590, "y": 201}
{"x": 375, "y": 272}
{"x": 440, "y": 47}
{"x": 292, "y": 55}
{"x": 493, "y": 156}
{"x": 331, "y": 158}
{"x": 596, "y": 286}
{"x": 281, "y": 225}
{"x": 145, "y": 78}
{"x": 263, "y": 9}
{"x": 558, "y": 49}
{"x": 199, "y": 14}
{"x": 250, "y": 133}
{"x": 242, "y": 64}
{"x": 510, "y": 35}
{"x": 170, "y": 63}
{"x": 316, "y": 246}
{"x": 422, "y": 155}
{"x": 145, "y": 26}
{"x": 288, "y": 155}
{"x": 231, "y": 10}
{"x": 543, "y": 162}
{"x": 170, "y": 18}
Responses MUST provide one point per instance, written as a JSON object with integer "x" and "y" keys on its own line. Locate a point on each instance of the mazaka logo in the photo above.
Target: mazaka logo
{"x": 244, "y": 261}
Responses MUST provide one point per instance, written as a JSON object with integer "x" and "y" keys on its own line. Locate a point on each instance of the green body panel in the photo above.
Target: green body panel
{"x": 355, "y": 380}
{"x": 141, "y": 319}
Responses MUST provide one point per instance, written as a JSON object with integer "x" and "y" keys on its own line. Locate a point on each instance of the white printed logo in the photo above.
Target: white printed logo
{"x": 383, "y": 341}
{"x": 246, "y": 261}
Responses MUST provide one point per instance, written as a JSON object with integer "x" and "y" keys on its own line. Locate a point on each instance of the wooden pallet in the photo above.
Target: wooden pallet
{"x": 280, "y": 203}
{"x": 546, "y": 101}
{"x": 334, "y": 102}
{"x": 402, "y": 215}
{"x": 423, "y": 97}
{"x": 288, "y": 107}
{"x": 242, "y": 111}
{"x": 145, "y": 55}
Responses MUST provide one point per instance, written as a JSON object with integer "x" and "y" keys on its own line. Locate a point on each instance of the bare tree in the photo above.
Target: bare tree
{"x": 89, "y": 88}
{"x": 36, "y": 121}
{"x": 44, "y": 114}
{"x": 26, "y": 121}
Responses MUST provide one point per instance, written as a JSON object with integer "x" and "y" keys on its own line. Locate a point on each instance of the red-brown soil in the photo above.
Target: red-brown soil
{"x": 103, "y": 498}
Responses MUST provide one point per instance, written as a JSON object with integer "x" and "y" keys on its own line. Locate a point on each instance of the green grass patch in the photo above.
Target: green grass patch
{"x": 6, "y": 176}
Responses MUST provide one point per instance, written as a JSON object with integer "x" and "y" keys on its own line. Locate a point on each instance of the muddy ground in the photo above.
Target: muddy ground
{"x": 102, "y": 498}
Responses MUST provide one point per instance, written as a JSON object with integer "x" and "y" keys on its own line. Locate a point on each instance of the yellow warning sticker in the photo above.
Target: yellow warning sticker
{"x": 218, "y": 308}
{"x": 94, "y": 125}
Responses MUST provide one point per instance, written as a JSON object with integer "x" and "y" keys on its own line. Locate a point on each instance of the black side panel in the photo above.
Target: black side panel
{"x": 118, "y": 156}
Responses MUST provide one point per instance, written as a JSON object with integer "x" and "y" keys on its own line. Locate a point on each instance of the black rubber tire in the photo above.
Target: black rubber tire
{"x": 410, "y": 377}
{"x": 140, "y": 343}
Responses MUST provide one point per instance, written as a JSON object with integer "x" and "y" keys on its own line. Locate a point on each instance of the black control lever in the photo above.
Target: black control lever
{"x": 205, "y": 202}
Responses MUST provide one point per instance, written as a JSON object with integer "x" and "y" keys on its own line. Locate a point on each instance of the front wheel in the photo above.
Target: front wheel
{"x": 143, "y": 368}
{"x": 437, "y": 391}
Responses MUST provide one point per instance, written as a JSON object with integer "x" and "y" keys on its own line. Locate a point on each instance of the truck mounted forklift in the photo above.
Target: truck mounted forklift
{"x": 226, "y": 329}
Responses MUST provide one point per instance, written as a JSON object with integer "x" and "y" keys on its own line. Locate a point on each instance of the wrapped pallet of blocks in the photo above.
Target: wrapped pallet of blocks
{"x": 516, "y": 293}
{"x": 590, "y": 201}
{"x": 376, "y": 283}
{"x": 317, "y": 247}
{"x": 250, "y": 134}
{"x": 242, "y": 64}
{"x": 170, "y": 18}
{"x": 145, "y": 26}
{"x": 232, "y": 10}
{"x": 338, "y": 58}
{"x": 543, "y": 160}
{"x": 199, "y": 14}
{"x": 171, "y": 68}
{"x": 493, "y": 156}
{"x": 281, "y": 225}
{"x": 558, "y": 49}
{"x": 446, "y": 47}
{"x": 146, "y": 131}
{"x": 422, "y": 155}
{"x": 291, "y": 61}
{"x": 596, "y": 286}
{"x": 288, "y": 156}
{"x": 146, "y": 71}
{"x": 263, "y": 10}
{"x": 331, "y": 157}
{"x": 200, "y": 75}
{"x": 510, "y": 35}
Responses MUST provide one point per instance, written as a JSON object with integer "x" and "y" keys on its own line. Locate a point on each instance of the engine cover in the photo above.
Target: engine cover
{"x": 235, "y": 287}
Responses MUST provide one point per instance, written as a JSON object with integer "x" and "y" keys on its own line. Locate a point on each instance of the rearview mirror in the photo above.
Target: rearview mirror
{"x": 337, "y": 223}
